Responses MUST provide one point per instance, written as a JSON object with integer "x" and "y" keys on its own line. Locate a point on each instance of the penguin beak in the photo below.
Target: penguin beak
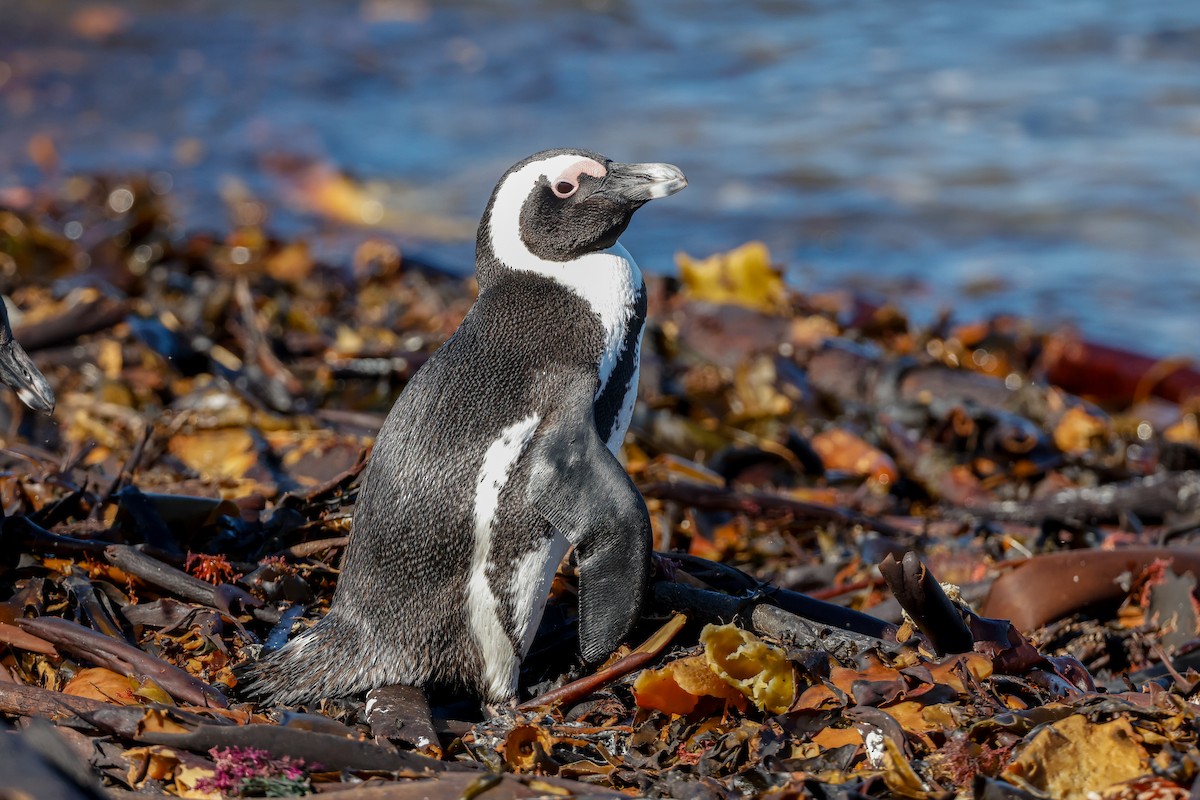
{"x": 18, "y": 371}
{"x": 640, "y": 183}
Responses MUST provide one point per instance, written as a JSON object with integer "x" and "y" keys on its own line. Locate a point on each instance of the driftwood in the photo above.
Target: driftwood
{"x": 733, "y": 581}
{"x": 1154, "y": 496}
{"x": 799, "y": 632}
{"x": 131, "y": 722}
{"x": 37, "y": 763}
{"x": 315, "y": 547}
{"x": 93, "y": 607}
{"x": 164, "y": 576}
{"x": 468, "y": 786}
{"x": 931, "y": 610}
{"x": 643, "y": 655}
{"x": 14, "y": 636}
{"x": 80, "y": 320}
{"x": 861, "y": 375}
{"x": 330, "y": 751}
{"x": 124, "y": 658}
{"x": 1051, "y": 586}
{"x": 87, "y": 714}
{"x": 756, "y": 504}
{"x": 1115, "y": 376}
{"x": 278, "y": 386}
{"x": 38, "y": 539}
{"x": 402, "y": 713}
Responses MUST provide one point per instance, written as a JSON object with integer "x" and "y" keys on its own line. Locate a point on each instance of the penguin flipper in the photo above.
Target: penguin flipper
{"x": 580, "y": 488}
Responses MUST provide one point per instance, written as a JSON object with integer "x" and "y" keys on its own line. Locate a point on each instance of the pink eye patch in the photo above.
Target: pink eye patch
{"x": 567, "y": 182}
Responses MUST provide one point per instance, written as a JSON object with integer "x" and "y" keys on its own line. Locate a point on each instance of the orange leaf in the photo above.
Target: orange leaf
{"x": 818, "y": 696}
{"x": 656, "y": 689}
{"x": 1077, "y": 430}
{"x": 829, "y": 738}
{"x": 98, "y": 683}
{"x": 221, "y": 453}
{"x": 843, "y": 451}
{"x": 946, "y": 671}
{"x": 758, "y": 670}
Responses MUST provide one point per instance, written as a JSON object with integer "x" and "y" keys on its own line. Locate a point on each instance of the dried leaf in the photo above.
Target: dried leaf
{"x": 760, "y": 671}
{"x": 898, "y": 773}
{"x": 179, "y": 770}
{"x": 157, "y": 720}
{"x": 755, "y": 395}
{"x": 1073, "y": 757}
{"x": 812, "y": 331}
{"x": 844, "y": 678}
{"x": 656, "y": 689}
{"x": 1077, "y": 431}
{"x": 743, "y": 276}
{"x": 672, "y": 469}
{"x": 154, "y": 763}
{"x": 152, "y": 692}
{"x": 215, "y": 454}
{"x": 947, "y": 670}
{"x": 843, "y": 451}
{"x": 818, "y": 697}
{"x": 1185, "y": 431}
{"x": 829, "y": 738}
{"x": 526, "y": 746}
{"x": 291, "y": 264}
{"x": 98, "y": 683}
{"x": 677, "y": 687}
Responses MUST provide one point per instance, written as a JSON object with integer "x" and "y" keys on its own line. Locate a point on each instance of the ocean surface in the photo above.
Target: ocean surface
{"x": 1027, "y": 157}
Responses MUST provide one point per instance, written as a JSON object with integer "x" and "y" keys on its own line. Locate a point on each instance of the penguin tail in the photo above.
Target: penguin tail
{"x": 327, "y": 660}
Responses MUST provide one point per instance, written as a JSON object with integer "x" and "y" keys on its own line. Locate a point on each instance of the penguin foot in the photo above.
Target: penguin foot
{"x": 503, "y": 708}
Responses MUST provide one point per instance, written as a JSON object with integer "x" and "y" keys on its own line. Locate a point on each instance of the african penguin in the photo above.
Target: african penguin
{"x": 19, "y": 372}
{"x": 499, "y": 455}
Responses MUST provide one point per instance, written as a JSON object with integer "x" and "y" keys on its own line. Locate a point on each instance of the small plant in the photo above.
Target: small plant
{"x": 250, "y": 772}
{"x": 214, "y": 569}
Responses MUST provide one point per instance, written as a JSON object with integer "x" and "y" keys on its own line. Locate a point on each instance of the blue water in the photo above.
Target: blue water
{"x": 1031, "y": 157}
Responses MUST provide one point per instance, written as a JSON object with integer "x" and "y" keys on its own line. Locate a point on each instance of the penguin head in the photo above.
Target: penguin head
{"x": 19, "y": 372}
{"x": 558, "y": 206}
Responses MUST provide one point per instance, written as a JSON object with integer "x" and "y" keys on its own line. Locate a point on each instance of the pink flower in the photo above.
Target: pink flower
{"x": 249, "y": 771}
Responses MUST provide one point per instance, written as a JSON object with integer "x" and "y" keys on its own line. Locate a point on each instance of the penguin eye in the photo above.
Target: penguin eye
{"x": 564, "y": 189}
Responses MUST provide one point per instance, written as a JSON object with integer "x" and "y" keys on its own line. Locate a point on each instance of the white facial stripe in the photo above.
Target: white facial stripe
{"x": 584, "y": 166}
{"x": 608, "y": 280}
{"x": 499, "y": 660}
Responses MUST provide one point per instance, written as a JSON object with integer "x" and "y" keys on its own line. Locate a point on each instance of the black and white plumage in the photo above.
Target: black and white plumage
{"x": 500, "y": 454}
{"x": 18, "y": 371}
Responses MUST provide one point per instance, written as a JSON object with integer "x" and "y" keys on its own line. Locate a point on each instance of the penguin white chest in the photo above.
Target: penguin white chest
{"x": 611, "y": 290}
{"x": 616, "y": 306}
{"x": 483, "y": 611}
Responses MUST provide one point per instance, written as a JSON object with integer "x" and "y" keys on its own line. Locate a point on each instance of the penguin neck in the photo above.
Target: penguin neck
{"x": 609, "y": 281}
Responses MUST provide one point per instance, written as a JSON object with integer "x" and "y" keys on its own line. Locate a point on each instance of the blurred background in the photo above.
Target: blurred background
{"x": 1026, "y": 157}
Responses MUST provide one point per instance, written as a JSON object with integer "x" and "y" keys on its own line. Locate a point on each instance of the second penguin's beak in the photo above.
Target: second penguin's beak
{"x": 19, "y": 372}
{"x": 640, "y": 183}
